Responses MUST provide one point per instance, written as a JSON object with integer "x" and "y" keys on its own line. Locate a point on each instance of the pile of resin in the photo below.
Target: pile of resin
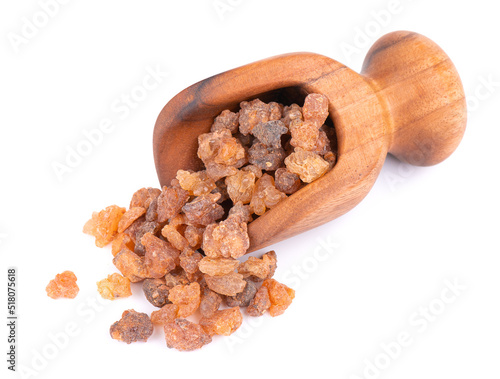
{"x": 184, "y": 241}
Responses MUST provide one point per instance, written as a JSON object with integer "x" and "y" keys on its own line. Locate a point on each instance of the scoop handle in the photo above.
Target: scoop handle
{"x": 423, "y": 95}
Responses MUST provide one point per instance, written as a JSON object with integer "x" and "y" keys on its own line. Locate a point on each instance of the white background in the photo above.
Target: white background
{"x": 393, "y": 254}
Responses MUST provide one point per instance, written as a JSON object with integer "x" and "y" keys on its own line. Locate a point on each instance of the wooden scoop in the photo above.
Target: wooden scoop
{"x": 407, "y": 101}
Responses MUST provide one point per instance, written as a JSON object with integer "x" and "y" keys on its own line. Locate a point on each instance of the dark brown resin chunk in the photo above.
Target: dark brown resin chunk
{"x": 132, "y": 327}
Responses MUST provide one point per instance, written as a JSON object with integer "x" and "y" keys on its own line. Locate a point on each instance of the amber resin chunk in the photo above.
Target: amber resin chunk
{"x": 254, "y": 267}
{"x": 226, "y": 120}
{"x": 189, "y": 260}
{"x": 170, "y": 202}
{"x": 185, "y": 335}
{"x": 305, "y": 135}
{"x": 221, "y": 153}
{"x": 194, "y": 236}
{"x": 308, "y": 165}
{"x": 241, "y": 212}
{"x": 218, "y": 266}
{"x": 292, "y": 113}
{"x": 186, "y": 297}
{"x": 143, "y": 197}
{"x": 122, "y": 241}
{"x": 265, "y": 195}
{"x": 156, "y": 291}
{"x": 63, "y": 286}
{"x": 218, "y": 171}
{"x": 196, "y": 183}
{"x": 130, "y": 265}
{"x": 315, "y": 108}
{"x": 114, "y": 287}
{"x": 252, "y": 168}
{"x": 132, "y": 327}
{"x": 280, "y": 295}
{"x": 166, "y": 314}
{"x": 229, "y": 238}
{"x": 259, "y": 269}
{"x": 223, "y": 322}
{"x": 229, "y": 284}
{"x": 174, "y": 237}
{"x": 104, "y": 224}
{"x": 240, "y": 186}
{"x": 275, "y": 111}
{"x": 160, "y": 257}
{"x": 129, "y": 217}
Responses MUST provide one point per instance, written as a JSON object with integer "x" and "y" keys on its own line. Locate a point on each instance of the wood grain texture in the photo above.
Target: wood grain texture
{"x": 408, "y": 101}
